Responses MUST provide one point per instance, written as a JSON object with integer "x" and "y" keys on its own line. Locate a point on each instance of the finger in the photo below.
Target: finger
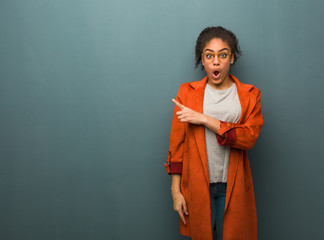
{"x": 178, "y": 104}
{"x": 182, "y": 217}
{"x": 179, "y": 113}
{"x": 184, "y": 119}
{"x": 181, "y": 118}
{"x": 185, "y": 209}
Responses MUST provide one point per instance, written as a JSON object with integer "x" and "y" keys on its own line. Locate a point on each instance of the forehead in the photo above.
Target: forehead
{"x": 216, "y": 44}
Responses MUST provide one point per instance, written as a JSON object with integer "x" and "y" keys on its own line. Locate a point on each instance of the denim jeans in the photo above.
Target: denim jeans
{"x": 217, "y": 201}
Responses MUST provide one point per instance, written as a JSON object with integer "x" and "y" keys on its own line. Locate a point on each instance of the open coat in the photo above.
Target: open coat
{"x": 187, "y": 155}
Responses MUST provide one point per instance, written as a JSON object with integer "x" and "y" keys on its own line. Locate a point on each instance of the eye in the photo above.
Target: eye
{"x": 209, "y": 56}
{"x": 223, "y": 55}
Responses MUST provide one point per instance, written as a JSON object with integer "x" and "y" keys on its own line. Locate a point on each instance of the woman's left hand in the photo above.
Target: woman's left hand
{"x": 188, "y": 115}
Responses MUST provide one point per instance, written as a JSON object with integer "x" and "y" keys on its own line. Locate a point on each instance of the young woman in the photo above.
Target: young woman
{"x": 215, "y": 121}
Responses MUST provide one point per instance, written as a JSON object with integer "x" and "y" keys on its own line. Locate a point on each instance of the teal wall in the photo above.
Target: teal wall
{"x": 85, "y": 103}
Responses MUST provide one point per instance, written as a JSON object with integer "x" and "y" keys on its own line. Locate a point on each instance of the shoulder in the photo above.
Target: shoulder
{"x": 194, "y": 85}
{"x": 251, "y": 93}
{"x": 184, "y": 91}
{"x": 190, "y": 90}
{"x": 248, "y": 89}
{"x": 187, "y": 87}
{"x": 190, "y": 85}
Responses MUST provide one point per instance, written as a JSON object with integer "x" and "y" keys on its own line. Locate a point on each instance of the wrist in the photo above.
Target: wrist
{"x": 211, "y": 123}
{"x": 175, "y": 190}
{"x": 203, "y": 119}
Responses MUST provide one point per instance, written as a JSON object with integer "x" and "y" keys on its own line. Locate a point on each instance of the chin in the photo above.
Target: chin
{"x": 217, "y": 81}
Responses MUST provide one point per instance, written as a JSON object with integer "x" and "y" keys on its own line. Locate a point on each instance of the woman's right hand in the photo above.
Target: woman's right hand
{"x": 180, "y": 205}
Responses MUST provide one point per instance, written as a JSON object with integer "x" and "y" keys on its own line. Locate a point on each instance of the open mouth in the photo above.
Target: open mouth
{"x": 216, "y": 74}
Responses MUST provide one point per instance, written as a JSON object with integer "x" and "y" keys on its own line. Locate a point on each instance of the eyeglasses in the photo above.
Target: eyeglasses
{"x": 210, "y": 56}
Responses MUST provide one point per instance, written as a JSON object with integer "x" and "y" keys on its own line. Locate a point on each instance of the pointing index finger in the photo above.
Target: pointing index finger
{"x": 177, "y": 103}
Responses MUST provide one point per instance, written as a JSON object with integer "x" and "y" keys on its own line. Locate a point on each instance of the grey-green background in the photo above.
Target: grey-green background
{"x": 85, "y": 103}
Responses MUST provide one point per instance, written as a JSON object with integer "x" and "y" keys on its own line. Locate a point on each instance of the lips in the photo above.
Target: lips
{"x": 216, "y": 74}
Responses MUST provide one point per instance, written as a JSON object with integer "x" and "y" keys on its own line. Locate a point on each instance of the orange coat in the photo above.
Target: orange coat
{"x": 187, "y": 155}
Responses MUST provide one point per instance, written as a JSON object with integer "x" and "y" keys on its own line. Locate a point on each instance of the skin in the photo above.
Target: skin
{"x": 187, "y": 115}
{"x": 221, "y": 82}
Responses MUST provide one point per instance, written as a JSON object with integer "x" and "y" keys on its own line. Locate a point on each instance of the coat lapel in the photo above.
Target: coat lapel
{"x": 233, "y": 161}
{"x": 242, "y": 93}
{"x": 196, "y": 104}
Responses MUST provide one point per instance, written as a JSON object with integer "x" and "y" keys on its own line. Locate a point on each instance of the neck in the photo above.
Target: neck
{"x": 226, "y": 83}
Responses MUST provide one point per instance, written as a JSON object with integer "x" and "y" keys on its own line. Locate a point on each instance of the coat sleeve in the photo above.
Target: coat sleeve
{"x": 177, "y": 137}
{"x": 243, "y": 136}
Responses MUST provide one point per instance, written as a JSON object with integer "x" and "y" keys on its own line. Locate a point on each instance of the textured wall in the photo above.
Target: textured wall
{"x": 85, "y": 103}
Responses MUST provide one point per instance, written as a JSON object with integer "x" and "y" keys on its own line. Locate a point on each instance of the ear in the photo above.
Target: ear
{"x": 232, "y": 58}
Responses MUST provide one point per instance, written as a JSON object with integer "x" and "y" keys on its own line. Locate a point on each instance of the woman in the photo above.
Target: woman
{"x": 215, "y": 121}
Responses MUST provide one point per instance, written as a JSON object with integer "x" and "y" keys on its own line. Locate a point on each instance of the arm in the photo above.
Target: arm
{"x": 191, "y": 116}
{"x": 179, "y": 203}
{"x": 173, "y": 164}
{"x": 241, "y": 136}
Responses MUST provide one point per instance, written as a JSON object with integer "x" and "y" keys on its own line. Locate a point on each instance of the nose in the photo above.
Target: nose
{"x": 216, "y": 60}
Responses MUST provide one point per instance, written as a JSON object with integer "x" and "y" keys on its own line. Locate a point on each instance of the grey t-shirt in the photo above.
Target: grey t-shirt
{"x": 223, "y": 105}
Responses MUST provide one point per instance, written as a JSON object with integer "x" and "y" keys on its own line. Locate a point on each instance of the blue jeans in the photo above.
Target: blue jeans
{"x": 217, "y": 201}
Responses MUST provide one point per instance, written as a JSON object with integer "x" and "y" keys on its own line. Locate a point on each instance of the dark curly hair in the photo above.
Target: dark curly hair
{"x": 216, "y": 32}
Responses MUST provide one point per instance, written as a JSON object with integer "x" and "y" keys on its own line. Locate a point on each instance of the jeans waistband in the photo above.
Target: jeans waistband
{"x": 217, "y": 184}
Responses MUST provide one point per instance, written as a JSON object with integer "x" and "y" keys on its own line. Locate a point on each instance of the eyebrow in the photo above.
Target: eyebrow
{"x": 218, "y": 50}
